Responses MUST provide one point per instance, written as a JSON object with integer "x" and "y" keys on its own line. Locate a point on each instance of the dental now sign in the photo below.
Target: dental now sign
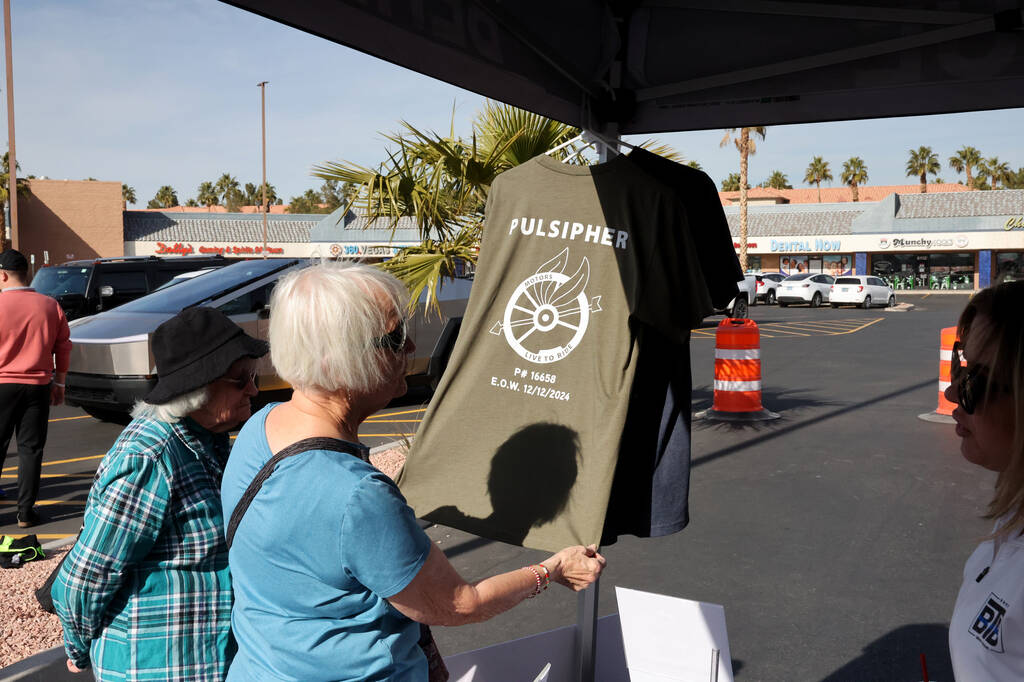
{"x": 805, "y": 245}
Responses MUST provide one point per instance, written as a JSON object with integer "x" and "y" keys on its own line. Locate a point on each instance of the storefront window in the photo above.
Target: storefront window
{"x": 925, "y": 271}
{"x": 753, "y": 263}
{"x": 1009, "y": 267}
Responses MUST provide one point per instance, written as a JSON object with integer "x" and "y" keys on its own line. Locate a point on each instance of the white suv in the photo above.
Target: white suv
{"x": 862, "y": 290}
{"x": 768, "y": 286}
{"x": 807, "y": 287}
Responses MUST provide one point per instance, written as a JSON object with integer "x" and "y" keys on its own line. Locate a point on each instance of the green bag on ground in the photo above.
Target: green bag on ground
{"x": 16, "y": 552}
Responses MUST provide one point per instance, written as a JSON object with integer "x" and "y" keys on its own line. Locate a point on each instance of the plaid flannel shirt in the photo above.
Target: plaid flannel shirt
{"x": 145, "y": 593}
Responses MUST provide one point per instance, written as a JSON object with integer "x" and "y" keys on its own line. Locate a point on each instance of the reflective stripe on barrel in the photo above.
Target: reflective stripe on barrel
{"x": 737, "y": 367}
{"x": 946, "y": 340}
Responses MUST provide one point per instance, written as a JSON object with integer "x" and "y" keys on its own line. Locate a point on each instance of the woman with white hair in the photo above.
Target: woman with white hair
{"x": 332, "y": 574}
{"x": 145, "y": 592}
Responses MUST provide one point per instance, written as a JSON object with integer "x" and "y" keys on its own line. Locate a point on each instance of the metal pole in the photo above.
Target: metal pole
{"x": 263, "y": 125}
{"x": 12, "y": 176}
{"x": 586, "y": 632}
{"x": 586, "y": 601}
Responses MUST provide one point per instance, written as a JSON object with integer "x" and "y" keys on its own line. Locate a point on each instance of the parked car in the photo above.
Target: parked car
{"x": 862, "y": 290}
{"x": 112, "y": 362}
{"x": 806, "y": 287}
{"x": 739, "y": 306}
{"x": 184, "y": 277}
{"x": 86, "y": 287}
{"x": 767, "y": 286}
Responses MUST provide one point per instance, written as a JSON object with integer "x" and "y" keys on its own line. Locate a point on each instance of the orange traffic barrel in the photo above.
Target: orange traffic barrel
{"x": 947, "y": 337}
{"x": 737, "y": 395}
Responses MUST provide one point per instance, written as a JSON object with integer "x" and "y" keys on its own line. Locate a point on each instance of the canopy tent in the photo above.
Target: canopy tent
{"x": 667, "y": 65}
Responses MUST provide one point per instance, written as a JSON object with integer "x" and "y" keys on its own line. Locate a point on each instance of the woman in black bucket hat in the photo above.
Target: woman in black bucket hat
{"x": 145, "y": 592}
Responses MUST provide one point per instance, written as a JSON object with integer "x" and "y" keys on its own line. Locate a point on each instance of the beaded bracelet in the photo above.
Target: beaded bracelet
{"x": 547, "y": 576}
{"x": 536, "y": 574}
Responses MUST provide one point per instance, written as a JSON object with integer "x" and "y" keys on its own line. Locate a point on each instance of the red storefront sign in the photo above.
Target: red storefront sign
{"x": 180, "y": 249}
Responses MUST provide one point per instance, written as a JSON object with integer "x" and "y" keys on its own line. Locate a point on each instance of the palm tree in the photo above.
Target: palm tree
{"x": 731, "y": 183}
{"x": 746, "y": 146}
{"x": 191, "y": 202}
{"x": 5, "y": 184}
{"x": 997, "y": 171}
{"x": 922, "y": 163}
{"x": 817, "y": 173}
{"x": 127, "y": 196}
{"x": 966, "y": 159}
{"x": 777, "y": 180}
{"x": 206, "y": 195}
{"x": 228, "y": 190}
{"x": 165, "y": 197}
{"x": 854, "y": 174}
{"x": 442, "y": 181}
{"x": 272, "y": 197}
{"x": 694, "y": 164}
{"x": 249, "y": 195}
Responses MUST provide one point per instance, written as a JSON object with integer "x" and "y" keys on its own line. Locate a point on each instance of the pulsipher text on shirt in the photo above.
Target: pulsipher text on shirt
{"x": 569, "y": 230}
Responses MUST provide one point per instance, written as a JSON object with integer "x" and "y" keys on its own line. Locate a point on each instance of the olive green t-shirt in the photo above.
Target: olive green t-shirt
{"x": 521, "y": 439}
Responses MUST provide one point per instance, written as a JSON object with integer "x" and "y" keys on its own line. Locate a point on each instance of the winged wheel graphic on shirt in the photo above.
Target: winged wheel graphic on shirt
{"x": 547, "y": 315}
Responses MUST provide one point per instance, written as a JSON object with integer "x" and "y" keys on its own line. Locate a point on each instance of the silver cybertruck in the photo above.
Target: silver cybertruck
{"x": 112, "y": 364}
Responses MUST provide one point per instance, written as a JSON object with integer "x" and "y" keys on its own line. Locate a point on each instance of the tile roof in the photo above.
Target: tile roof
{"x": 835, "y": 195}
{"x": 998, "y": 202}
{"x": 783, "y": 220}
{"x": 151, "y": 226}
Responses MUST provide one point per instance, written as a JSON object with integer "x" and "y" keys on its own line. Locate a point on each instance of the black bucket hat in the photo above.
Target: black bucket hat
{"x": 195, "y": 348}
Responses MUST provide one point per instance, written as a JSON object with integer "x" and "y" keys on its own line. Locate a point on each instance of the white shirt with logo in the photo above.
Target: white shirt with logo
{"x": 986, "y": 632}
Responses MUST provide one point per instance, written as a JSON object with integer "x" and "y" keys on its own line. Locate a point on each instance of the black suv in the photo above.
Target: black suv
{"x": 86, "y": 287}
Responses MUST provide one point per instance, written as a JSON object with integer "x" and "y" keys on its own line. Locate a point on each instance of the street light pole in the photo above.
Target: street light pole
{"x": 263, "y": 124}
{"x": 12, "y": 175}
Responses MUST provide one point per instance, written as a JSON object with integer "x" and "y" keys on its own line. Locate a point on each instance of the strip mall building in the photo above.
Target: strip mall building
{"x": 947, "y": 238}
{"x": 952, "y": 239}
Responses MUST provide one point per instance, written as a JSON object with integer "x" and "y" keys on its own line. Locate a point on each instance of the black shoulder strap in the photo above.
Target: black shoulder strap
{"x": 296, "y": 448}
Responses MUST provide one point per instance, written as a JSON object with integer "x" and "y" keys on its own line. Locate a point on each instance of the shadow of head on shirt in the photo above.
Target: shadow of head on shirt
{"x": 532, "y": 475}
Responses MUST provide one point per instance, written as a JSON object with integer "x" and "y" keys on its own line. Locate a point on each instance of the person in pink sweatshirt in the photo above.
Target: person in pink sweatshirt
{"x": 35, "y": 348}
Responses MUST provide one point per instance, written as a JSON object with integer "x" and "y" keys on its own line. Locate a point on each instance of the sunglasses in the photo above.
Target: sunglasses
{"x": 241, "y": 383}
{"x": 972, "y": 383}
{"x": 394, "y": 340}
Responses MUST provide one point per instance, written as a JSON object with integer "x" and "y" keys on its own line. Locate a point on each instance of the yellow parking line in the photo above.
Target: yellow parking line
{"x": 782, "y": 330}
{"x": 392, "y": 421}
{"x": 65, "y": 419}
{"x": 15, "y": 477}
{"x": 62, "y": 461}
{"x": 48, "y": 536}
{"x": 807, "y": 327}
{"x": 864, "y": 326}
{"x": 395, "y": 414}
{"x": 44, "y": 503}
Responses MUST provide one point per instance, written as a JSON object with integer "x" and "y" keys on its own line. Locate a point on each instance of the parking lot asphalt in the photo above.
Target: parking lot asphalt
{"x": 76, "y": 443}
{"x": 834, "y": 537}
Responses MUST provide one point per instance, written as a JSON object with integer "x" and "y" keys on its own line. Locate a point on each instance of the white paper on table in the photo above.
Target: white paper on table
{"x": 667, "y": 638}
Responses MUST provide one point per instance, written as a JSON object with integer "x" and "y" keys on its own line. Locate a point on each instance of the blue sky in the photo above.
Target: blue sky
{"x": 164, "y": 92}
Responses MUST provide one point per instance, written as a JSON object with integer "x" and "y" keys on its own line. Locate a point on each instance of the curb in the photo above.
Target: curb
{"x": 387, "y": 446}
{"x": 46, "y": 666}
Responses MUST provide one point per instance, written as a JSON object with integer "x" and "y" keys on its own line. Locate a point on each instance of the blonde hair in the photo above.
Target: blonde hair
{"x": 324, "y": 320}
{"x": 1003, "y": 308}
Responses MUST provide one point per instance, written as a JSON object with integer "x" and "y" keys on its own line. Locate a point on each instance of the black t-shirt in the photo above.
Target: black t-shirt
{"x": 650, "y": 491}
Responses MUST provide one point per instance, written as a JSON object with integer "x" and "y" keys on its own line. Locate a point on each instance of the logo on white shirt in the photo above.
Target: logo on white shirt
{"x": 986, "y": 625}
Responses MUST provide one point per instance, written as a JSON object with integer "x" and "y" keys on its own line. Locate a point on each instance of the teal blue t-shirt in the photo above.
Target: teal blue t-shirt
{"x": 322, "y": 546}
